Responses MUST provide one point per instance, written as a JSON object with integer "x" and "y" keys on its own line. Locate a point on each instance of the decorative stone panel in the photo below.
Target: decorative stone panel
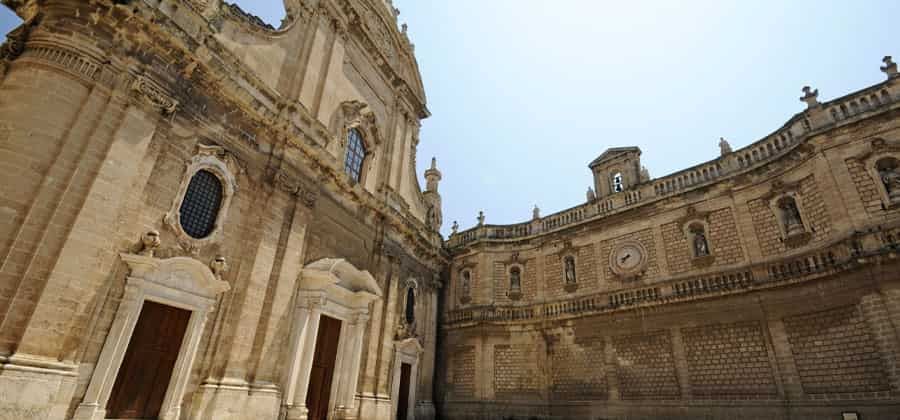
{"x": 645, "y": 367}
{"x": 723, "y": 238}
{"x": 463, "y": 385}
{"x": 865, "y": 186}
{"x": 645, "y": 237}
{"x": 501, "y": 280}
{"x": 576, "y": 371}
{"x": 516, "y": 371}
{"x": 835, "y": 352}
{"x": 585, "y": 273}
{"x": 729, "y": 361}
{"x": 813, "y": 210}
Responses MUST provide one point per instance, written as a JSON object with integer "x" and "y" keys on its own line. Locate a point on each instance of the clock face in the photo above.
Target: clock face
{"x": 628, "y": 258}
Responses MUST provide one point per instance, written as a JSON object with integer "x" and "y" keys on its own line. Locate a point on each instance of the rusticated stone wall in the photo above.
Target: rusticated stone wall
{"x": 836, "y": 352}
{"x": 729, "y": 361}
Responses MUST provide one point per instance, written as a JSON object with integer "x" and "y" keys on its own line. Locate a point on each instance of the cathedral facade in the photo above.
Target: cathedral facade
{"x": 764, "y": 284}
{"x": 207, "y": 217}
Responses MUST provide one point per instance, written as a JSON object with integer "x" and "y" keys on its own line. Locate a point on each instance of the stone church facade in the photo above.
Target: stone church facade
{"x": 764, "y": 284}
{"x": 206, "y": 217}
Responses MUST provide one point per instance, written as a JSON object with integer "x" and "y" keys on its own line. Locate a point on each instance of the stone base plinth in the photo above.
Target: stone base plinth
{"x": 35, "y": 388}
{"x": 235, "y": 400}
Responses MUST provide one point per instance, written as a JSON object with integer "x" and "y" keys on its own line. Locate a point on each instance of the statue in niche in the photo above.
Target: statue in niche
{"x": 570, "y": 270}
{"x": 890, "y": 177}
{"x": 701, "y": 246}
{"x": 466, "y": 285}
{"x": 793, "y": 224}
{"x": 515, "y": 279}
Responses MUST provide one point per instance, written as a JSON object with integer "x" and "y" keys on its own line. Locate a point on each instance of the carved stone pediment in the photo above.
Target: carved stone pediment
{"x": 180, "y": 273}
{"x": 337, "y": 277}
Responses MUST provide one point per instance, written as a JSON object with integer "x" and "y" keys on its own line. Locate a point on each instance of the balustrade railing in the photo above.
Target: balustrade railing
{"x": 773, "y": 146}
{"x": 841, "y": 255}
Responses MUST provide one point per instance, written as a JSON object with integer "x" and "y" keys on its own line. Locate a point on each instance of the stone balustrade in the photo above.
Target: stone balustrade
{"x": 820, "y": 117}
{"x": 851, "y": 252}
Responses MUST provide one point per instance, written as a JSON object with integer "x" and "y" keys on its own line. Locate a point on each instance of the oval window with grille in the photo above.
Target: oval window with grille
{"x": 200, "y": 205}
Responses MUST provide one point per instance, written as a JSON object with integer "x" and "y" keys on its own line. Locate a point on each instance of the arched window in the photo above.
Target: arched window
{"x": 356, "y": 155}
{"x": 201, "y": 203}
{"x": 410, "y": 306}
{"x": 618, "y": 183}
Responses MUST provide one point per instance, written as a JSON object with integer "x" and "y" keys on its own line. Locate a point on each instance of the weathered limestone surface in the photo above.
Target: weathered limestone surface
{"x": 107, "y": 111}
{"x": 762, "y": 284}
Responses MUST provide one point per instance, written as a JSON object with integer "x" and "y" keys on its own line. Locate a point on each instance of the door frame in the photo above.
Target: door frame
{"x": 406, "y": 351}
{"x": 180, "y": 282}
{"x": 335, "y": 288}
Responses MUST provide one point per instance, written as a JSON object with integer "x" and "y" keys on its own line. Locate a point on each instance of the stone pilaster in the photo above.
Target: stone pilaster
{"x": 681, "y": 365}
{"x": 877, "y": 317}
{"x": 790, "y": 378}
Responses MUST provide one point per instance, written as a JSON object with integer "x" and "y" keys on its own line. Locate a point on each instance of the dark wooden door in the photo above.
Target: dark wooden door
{"x": 147, "y": 367}
{"x": 403, "y": 398}
{"x": 323, "y": 368}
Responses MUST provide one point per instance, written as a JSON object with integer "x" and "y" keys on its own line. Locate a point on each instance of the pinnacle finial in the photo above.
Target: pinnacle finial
{"x": 810, "y": 96}
{"x": 890, "y": 67}
{"x": 433, "y": 163}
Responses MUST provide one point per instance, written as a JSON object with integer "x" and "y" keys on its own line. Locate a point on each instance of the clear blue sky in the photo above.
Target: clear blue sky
{"x": 524, "y": 93}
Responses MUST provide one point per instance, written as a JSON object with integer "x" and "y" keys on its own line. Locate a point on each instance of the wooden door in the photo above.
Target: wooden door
{"x": 147, "y": 366}
{"x": 322, "y": 373}
{"x": 403, "y": 397}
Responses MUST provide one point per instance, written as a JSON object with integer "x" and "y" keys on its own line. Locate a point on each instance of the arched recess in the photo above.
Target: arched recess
{"x": 334, "y": 288}
{"x": 179, "y": 282}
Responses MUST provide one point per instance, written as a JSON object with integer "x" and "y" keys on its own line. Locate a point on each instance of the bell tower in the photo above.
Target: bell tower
{"x": 617, "y": 169}
{"x": 433, "y": 217}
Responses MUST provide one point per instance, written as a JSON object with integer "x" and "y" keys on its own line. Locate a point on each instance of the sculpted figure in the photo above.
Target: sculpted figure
{"x": 570, "y": 270}
{"x": 793, "y": 224}
{"x": 515, "y": 280}
{"x": 701, "y": 247}
{"x": 891, "y": 179}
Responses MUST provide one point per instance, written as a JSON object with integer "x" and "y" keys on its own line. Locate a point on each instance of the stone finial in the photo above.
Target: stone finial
{"x": 219, "y": 266}
{"x": 480, "y": 218}
{"x": 432, "y": 176}
{"x": 810, "y": 96}
{"x": 403, "y": 28}
{"x": 890, "y": 67}
{"x": 149, "y": 242}
{"x": 591, "y": 195}
{"x": 724, "y": 146}
{"x": 645, "y": 174}
{"x": 535, "y": 213}
{"x": 455, "y": 228}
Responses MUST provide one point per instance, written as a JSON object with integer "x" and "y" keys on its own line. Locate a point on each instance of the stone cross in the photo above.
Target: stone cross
{"x": 890, "y": 67}
{"x": 810, "y": 96}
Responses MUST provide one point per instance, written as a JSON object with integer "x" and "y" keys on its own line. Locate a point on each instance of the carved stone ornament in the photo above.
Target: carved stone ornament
{"x": 219, "y": 266}
{"x": 292, "y": 185}
{"x": 149, "y": 243}
{"x": 810, "y": 96}
{"x": 890, "y": 67}
{"x": 154, "y": 95}
{"x": 215, "y": 160}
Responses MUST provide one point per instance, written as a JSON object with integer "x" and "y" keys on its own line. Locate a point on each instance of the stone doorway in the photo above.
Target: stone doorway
{"x": 403, "y": 397}
{"x": 147, "y": 367}
{"x": 322, "y": 374}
